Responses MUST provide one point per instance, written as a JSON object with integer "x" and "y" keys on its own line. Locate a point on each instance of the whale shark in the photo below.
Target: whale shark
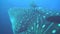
{"x": 34, "y": 20}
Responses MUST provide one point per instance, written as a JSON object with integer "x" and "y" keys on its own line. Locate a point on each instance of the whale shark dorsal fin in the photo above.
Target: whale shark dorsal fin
{"x": 33, "y": 4}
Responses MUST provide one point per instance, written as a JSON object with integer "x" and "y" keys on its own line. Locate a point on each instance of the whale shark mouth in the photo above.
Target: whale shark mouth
{"x": 34, "y": 21}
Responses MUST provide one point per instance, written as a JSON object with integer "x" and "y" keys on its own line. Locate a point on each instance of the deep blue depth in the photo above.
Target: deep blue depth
{"x": 5, "y": 24}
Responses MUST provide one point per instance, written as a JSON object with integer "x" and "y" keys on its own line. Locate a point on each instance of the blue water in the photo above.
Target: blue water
{"x": 5, "y": 24}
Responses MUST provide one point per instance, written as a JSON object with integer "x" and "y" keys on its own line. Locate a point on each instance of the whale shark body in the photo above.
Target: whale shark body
{"x": 34, "y": 20}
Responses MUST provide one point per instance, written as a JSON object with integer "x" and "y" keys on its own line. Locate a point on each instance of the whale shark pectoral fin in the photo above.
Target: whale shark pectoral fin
{"x": 55, "y": 19}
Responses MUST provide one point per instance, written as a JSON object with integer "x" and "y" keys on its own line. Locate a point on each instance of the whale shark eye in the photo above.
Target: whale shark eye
{"x": 55, "y": 19}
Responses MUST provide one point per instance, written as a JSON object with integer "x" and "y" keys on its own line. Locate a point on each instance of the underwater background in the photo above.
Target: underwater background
{"x": 5, "y": 5}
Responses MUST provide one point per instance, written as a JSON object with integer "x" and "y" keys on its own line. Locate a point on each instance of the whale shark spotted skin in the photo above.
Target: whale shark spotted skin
{"x": 34, "y": 21}
{"x": 55, "y": 19}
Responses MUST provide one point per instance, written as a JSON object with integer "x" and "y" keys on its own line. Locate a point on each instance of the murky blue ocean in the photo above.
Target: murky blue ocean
{"x": 6, "y": 24}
